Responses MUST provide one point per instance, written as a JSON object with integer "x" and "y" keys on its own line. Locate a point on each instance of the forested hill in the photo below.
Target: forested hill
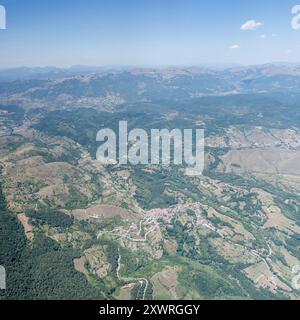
{"x": 40, "y": 270}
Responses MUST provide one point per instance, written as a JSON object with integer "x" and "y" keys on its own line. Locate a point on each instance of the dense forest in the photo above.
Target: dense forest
{"x": 38, "y": 270}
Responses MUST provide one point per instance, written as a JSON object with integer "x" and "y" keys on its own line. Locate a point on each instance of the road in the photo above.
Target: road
{"x": 140, "y": 280}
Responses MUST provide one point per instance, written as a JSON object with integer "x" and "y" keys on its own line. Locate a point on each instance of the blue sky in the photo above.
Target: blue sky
{"x": 145, "y": 33}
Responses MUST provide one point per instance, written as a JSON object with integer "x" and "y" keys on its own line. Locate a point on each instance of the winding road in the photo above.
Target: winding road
{"x": 140, "y": 280}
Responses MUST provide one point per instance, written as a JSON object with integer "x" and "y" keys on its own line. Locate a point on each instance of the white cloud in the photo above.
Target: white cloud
{"x": 251, "y": 25}
{"x": 235, "y": 46}
{"x": 263, "y": 36}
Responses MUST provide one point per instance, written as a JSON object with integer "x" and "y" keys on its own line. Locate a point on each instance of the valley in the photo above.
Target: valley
{"x": 149, "y": 231}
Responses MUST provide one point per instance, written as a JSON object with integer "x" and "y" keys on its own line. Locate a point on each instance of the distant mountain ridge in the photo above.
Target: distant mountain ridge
{"x": 25, "y": 73}
{"x": 104, "y": 88}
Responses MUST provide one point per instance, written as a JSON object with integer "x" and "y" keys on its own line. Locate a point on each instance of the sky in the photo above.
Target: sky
{"x": 63, "y": 33}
